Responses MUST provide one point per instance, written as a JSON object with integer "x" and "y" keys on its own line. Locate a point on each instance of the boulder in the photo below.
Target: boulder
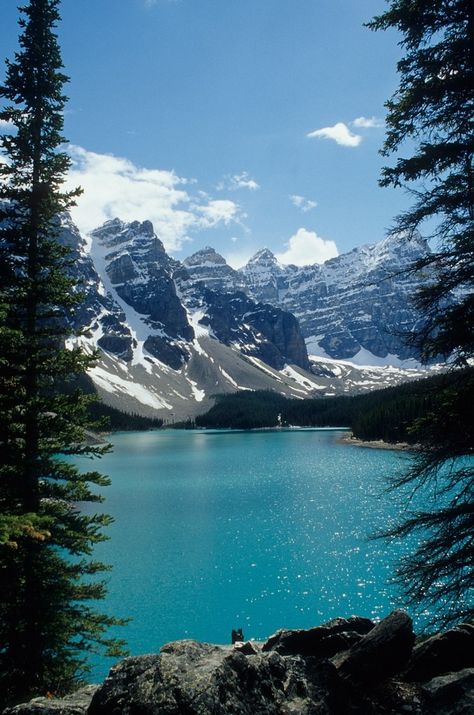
{"x": 442, "y": 653}
{"x": 323, "y": 641}
{"x": 380, "y": 654}
{"x": 451, "y": 694}
{"x": 74, "y": 704}
{"x": 246, "y": 647}
{"x": 191, "y": 678}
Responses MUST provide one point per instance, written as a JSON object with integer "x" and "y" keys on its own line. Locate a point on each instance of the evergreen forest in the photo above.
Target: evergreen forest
{"x": 389, "y": 414}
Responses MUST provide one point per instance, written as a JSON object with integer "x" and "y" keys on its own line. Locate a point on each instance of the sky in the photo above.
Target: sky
{"x": 239, "y": 124}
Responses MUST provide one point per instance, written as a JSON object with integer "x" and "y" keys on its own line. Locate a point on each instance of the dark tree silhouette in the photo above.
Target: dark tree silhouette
{"x": 47, "y": 623}
{"x": 431, "y": 117}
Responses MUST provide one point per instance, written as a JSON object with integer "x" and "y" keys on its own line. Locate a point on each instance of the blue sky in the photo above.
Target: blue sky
{"x": 233, "y": 123}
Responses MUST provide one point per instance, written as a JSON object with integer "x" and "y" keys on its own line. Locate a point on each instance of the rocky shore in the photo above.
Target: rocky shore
{"x": 348, "y": 438}
{"x": 347, "y": 666}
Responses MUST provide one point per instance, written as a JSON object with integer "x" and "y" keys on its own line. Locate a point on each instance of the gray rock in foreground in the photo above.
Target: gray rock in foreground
{"x": 442, "y": 653}
{"x": 380, "y": 654}
{"x": 191, "y": 678}
{"x": 74, "y": 704}
{"x": 451, "y": 694}
{"x": 290, "y": 674}
{"x": 344, "y": 667}
{"x": 323, "y": 641}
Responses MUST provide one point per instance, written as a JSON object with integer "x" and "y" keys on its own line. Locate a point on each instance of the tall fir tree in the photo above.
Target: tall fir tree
{"x": 47, "y": 620}
{"x": 431, "y": 116}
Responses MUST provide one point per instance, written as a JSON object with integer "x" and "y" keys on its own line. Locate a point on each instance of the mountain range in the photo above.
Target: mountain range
{"x": 174, "y": 334}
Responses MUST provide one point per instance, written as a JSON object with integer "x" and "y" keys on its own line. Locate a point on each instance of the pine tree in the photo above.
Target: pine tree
{"x": 431, "y": 117}
{"x": 47, "y": 623}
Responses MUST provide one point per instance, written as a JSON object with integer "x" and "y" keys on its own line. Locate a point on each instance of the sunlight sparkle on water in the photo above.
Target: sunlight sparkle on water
{"x": 259, "y": 530}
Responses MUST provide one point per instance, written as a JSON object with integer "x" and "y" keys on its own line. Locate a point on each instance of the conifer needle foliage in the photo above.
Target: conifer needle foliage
{"x": 48, "y": 621}
{"x": 430, "y": 136}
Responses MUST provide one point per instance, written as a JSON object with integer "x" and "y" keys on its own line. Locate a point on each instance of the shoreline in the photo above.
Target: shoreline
{"x": 349, "y": 439}
{"x": 345, "y": 438}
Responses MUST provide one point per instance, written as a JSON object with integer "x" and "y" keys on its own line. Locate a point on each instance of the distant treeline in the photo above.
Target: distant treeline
{"x": 386, "y": 414}
{"x": 112, "y": 419}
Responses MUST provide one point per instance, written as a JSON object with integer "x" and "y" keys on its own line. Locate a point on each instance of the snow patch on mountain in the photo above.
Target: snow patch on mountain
{"x": 173, "y": 335}
{"x": 301, "y": 379}
{"x": 138, "y": 328}
{"x": 113, "y": 383}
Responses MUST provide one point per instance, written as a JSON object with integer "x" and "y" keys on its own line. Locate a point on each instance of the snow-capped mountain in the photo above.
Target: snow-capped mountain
{"x": 168, "y": 343}
{"x": 210, "y": 267}
{"x": 356, "y": 304}
{"x": 265, "y": 277}
{"x": 174, "y": 334}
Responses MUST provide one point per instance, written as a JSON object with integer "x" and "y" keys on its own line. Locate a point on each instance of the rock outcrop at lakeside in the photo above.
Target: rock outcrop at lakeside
{"x": 342, "y": 667}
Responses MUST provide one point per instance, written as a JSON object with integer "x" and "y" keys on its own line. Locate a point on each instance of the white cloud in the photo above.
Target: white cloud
{"x": 302, "y": 203}
{"x": 340, "y": 133}
{"x": 217, "y": 211}
{"x": 238, "y": 181}
{"x": 243, "y": 181}
{"x": 368, "y": 122}
{"x": 306, "y": 247}
{"x": 114, "y": 186}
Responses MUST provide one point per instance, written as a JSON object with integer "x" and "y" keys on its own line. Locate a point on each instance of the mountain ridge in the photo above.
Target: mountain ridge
{"x": 173, "y": 334}
{"x": 330, "y": 300}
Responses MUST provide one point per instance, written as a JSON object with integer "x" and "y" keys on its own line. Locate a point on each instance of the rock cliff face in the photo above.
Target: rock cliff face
{"x": 141, "y": 274}
{"x": 359, "y": 300}
{"x": 212, "y": 269}
{"x": 269, "y": 333}
{"x": 98, "y": 312}
{"x": 345, "y": 666}
{"x": 173, "y": 334}
{"x": 133, "y": 262}
{"x": 167, "y": 341}
{"x": 266, "y": 278}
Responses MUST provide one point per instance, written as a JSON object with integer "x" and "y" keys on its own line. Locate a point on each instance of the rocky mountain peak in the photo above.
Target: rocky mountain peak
{"x": 262, "y": 257}
{"x": 404, "y": 246}
{"x": 69, "y": 234}
{"x": 209, "y": 267}
{"x": 206, "y": 256}
{"x": 186, "y": 331}
{"x": 263, "y": 276}
{"x": 108, "y": 230}
{"x": 404, "y": 239}
{"x": 394, "y": 248}
{"x": 117, "y": 232}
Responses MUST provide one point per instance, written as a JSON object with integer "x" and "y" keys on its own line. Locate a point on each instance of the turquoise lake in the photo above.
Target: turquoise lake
{"x": 253, "y": 530}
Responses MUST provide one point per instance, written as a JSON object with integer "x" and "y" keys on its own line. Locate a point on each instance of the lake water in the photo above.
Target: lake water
{"x": 252, "y": 530}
